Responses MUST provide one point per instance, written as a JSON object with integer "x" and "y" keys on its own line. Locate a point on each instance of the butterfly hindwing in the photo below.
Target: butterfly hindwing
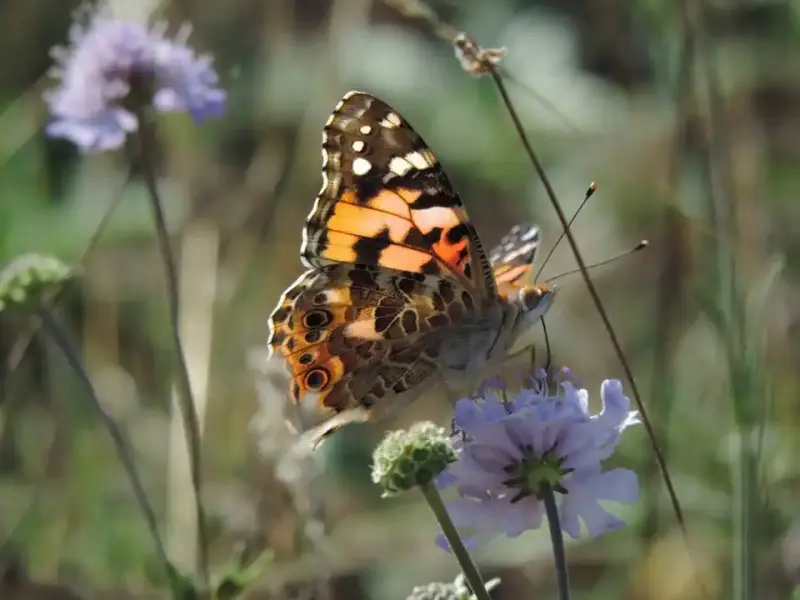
{"x": 386, "y": 201}
{"x": 512, "y": 258}
{"x": 353, "y": 335}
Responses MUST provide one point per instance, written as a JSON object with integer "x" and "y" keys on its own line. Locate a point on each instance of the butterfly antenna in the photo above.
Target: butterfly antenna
{"x": 589, "y": 192}
{"x": 640, "y": 246}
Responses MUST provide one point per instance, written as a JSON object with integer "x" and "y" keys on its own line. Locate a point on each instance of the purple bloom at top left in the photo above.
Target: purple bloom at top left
{"x": 113, "y": 68}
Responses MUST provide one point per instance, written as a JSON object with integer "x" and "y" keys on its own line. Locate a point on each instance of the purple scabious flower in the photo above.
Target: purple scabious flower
{"x": 112, "y": 69}
{"x": 510, "y": 447}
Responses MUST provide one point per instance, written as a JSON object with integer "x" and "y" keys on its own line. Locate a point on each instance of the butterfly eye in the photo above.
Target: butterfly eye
{"x": 316, "y": 379}
{"x": 531, "y": 296}
{"x": 314, "y": 319}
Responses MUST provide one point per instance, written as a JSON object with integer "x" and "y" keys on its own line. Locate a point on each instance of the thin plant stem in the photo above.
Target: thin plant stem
{"x": 676, "y": 507}
{"x": 722, "y": 196}
{"x": 52, "y": 327}
{"x": 146, "y": 138}
{"x": 450, "y": 532}
{"x": 21, "y": 344}
{"x": 671, "y": 282}
{"x": 557, "y": 538}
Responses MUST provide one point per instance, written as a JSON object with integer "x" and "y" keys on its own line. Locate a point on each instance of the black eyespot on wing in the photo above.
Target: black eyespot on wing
{"x": 305, "y": 359}
{"x": 313, "y": 336}
{"x": 314, "y": 319}
{"x": 316, "y": 379}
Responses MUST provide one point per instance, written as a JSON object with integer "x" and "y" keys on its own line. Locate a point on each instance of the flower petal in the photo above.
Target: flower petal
{"x": 113, "y": 63}
{"x": 503, "y": 448}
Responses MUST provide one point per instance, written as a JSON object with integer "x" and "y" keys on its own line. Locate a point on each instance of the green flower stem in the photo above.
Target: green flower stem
{"x": 559, "y": 554}
{"x": 54, "y": 329}
{"x": 471, "y": 573}
{"x": 146, "y": 137}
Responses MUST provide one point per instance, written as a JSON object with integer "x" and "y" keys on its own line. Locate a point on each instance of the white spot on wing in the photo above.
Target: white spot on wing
{"x": 364, "y": 329}
{"x": 530, "y": 235}
{"x": 399, "y": 165}
{"x": 391, "y": 121}
{"x": 365, "y": 129}
{"x": 436, "y": 216}
{"x": 420, "y": 161}
{"x": 361, "y": 166}
{"x": 358, "y": 146}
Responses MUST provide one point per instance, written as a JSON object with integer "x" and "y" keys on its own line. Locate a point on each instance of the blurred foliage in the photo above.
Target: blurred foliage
{"x": 613, "y": 92}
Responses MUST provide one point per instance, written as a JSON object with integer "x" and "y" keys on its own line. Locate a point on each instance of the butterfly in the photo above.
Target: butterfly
{"x": 399, "y": 292}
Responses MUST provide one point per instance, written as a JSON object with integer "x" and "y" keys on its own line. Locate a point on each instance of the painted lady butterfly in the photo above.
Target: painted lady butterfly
{"x": 399, "y": 292}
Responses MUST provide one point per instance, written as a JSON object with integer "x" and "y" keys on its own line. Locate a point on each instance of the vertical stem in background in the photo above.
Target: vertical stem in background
{"x": 731, "y": 321}
{"x": 671, "y": 281}
{"x": 147, "y": 147}
{"x": 197, "y": 292}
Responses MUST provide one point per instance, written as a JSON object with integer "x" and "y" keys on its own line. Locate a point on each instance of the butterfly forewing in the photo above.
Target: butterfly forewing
{"x": 385, "y": 200}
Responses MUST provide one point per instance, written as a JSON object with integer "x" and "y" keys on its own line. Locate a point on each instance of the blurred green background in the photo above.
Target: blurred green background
{"x": 687, "y": 114}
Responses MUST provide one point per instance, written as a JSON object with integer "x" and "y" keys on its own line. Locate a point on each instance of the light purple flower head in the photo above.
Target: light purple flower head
{"x": 114, "y": 67}
{"x": 511, "y": 447}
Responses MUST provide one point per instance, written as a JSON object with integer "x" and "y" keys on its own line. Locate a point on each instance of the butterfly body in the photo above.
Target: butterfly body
{"x": 399, "y": 293}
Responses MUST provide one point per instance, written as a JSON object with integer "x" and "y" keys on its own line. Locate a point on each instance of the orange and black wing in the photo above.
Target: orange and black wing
{"x": 386, "y": 201}
{"x": 512, "y": 259}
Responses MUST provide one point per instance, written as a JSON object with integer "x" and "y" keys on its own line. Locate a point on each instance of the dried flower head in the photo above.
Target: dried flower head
{"x": 474, "y": 59}
{"x": 511, "y": 448}
{"x": 406, "y": 459}
{"x": 114, "y": 68}
{"x": 457, "y": 590}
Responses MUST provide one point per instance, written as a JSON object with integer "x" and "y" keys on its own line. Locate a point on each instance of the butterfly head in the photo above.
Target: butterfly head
{"x": 532, "y": 302}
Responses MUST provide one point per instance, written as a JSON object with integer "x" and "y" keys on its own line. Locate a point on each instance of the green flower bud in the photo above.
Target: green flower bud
{"x": 25, "y": 279}
{"x": 406, "y": 459}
